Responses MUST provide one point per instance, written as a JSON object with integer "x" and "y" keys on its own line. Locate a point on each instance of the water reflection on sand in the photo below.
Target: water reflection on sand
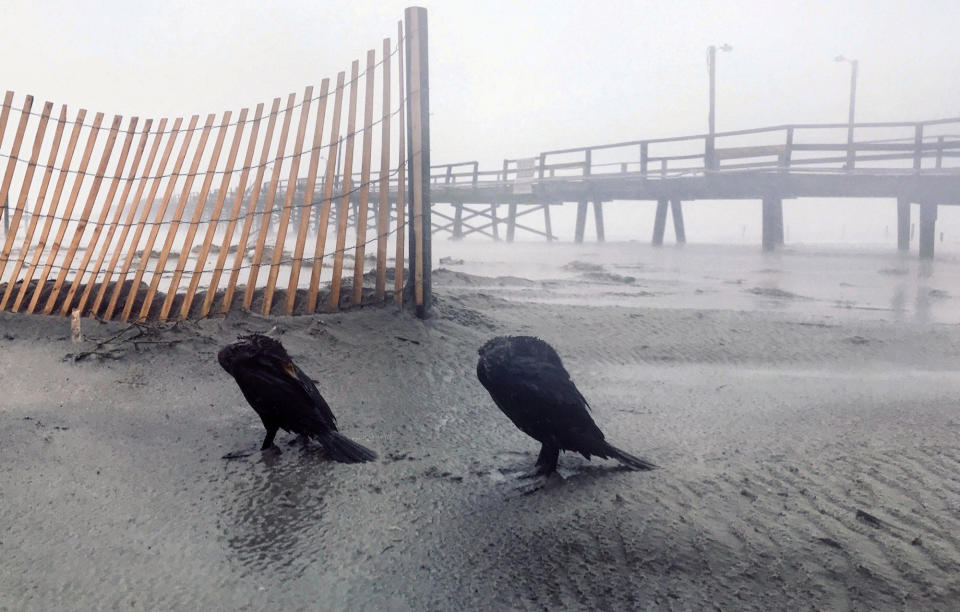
{"x": 873, "y": 283}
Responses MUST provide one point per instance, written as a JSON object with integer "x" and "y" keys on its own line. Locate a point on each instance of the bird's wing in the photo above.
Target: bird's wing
{"x": 310, "y": 388}
{"x": 284, "y": 393}
{"x": 539, "y": 398}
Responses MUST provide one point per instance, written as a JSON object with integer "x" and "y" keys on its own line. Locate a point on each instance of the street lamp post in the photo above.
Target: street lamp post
{"x": 711, "y": 118}
{"x": 851, "y": 154}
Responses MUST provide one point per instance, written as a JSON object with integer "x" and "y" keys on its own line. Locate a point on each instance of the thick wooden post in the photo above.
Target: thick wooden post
{"x": 401, "y": 168}
{"x": 928, "y": 227}
{"x": 494, "y": 222}
{"x": 770, "y": 233}
{"x": 903, "y": 224}
{"x": 660, "y": 222}
{"x": 776, "y": 219}
{"x": 676, "y": 209}
{"x": 418, "y": 138}
{"x": 581, "y": 221}
{"x": 511, "y": 221}
{"x": 457, "y": 220}
{"x": 547, "y": 226}
{"x": 598, "y": 220}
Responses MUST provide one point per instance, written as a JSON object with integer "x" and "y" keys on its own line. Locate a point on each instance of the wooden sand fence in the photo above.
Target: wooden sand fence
{"x": 159, "y": 219}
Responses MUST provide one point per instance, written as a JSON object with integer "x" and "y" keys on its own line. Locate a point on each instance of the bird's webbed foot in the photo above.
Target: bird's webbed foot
{"x": 543, "y": 473}
{"x": 249, "y": 453}
{"x": 540, "y": 471}
{"x": 546, "y": 462}
{"x": 531, "y": 482}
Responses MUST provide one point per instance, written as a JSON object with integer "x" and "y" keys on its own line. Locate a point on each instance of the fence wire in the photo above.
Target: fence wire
{"x": 312, "y": 99}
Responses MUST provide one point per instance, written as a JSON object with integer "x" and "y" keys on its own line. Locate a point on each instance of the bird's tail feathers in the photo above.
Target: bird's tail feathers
{"x": 343, "y": 449}
{"x": 632, "y": 462}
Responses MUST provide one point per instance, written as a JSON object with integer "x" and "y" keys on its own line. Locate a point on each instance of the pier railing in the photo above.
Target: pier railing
{"x": 895, "y": 146}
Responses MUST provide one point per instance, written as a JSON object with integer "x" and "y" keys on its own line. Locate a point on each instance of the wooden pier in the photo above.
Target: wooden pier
{"x": 908, "y": 162}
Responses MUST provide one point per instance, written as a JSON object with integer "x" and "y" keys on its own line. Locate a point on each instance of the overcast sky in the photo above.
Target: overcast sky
{"x": 509, "y": 79}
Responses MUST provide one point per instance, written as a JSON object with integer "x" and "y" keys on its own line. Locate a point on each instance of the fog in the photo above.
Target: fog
{"x": 507, "y": 79}
{"x": 510, "y": 80}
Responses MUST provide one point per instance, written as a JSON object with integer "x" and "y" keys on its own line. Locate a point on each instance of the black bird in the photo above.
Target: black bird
{"x": 528, "y": 382}
{"x": 285, "y": 397}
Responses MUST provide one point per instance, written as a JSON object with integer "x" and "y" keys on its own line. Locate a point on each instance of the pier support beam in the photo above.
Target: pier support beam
{"x": 511, "y": 221}
{"x": 457, "y": 220}
{"x": 903, "y": 224}
{"x": 494, "y": 222}
{"x": 676, "y": 209}
{"x": 928, "y": 229}
{"x": 547, "y": 226}
{"x": 772, "y": 222}
{"x": 581, "y": 221}
{"x": 778, "y": 222}
{"x": 598, "y": 219}
{"x": 660, "y": 222}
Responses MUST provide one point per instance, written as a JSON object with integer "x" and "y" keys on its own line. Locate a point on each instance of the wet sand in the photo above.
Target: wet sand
{"x": 809, "y": 459}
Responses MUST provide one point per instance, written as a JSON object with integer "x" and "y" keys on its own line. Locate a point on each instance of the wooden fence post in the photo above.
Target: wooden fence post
{"x": 418, "y": 138}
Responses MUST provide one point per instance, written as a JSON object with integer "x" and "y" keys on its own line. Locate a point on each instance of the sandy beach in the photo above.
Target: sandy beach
{"x": 806, "y": 420}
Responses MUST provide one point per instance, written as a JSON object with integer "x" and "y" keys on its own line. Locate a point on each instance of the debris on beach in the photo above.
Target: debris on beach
{"x": 607, "y": 277}
{"x": 773, "y": 292}
{"x": 583, "y": 266}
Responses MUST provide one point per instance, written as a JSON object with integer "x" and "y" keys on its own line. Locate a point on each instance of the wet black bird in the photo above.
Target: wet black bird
{"x": 528, "y": 382}
{"x": 285, "y": 397}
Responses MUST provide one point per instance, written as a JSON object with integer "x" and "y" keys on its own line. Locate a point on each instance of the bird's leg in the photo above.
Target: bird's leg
{"x": 271, "y": 434}
{"x": 267, "y": 444}
{"x": 546, "y": 462}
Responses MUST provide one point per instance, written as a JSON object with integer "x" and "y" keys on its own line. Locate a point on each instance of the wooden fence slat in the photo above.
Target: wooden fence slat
{"x": 68, "y": 211}
{"x": 144, "y": 214}
{"x": 215, "y": 216}
{"x": 310, "y": 190}
{"x": 98, "y": 226}
{"x": 197, "y": 215}
{"x": 121, "y": 204}
{"x": 288, "y": 202}
{"x": 24, "y": 193}
{"x": 8, "y": 178}
{"x": 37, "y": 210}
{"x": 5, "y": 113}
{"x": 359, "y": 249}
{"x": 234, "y": 215}
{"x": 401, "y": 175}
{"x": 268, "y": 204}
{"x": 84, "y": 216}
{"x": 383, "y": 210}
{"x": 54, "y": 202}
{"x": 347, "y": 184}
{"x": 161, "y": 212}
{"x": 174, "y": 224}
{"x": 328, "y": 181}
{"x": 251, "y": 207}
